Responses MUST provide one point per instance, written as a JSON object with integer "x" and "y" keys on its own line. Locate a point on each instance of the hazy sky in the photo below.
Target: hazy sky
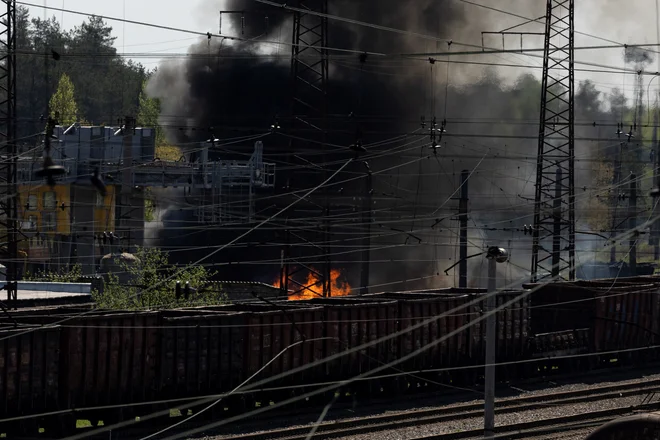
{"x": 620, "y": 20}
{"x": 194, "y": 15}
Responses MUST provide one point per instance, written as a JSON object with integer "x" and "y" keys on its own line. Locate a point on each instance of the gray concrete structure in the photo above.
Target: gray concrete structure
{"x": 126, "y": 159}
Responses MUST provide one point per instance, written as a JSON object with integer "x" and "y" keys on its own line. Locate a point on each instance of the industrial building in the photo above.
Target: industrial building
{"x": 62, "y": 225}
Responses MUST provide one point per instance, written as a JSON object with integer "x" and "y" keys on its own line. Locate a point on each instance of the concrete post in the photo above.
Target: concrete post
{"x": 491, "y": 329}
{"x": 495, "y": 255}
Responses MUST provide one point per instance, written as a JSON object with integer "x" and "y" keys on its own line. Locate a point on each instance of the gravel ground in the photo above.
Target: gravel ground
{"x": 501, "y": 420}
{"x": 548, "y": 389}
{"x": 504, "y": 419}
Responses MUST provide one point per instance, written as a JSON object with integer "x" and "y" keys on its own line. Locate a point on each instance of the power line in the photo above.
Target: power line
{"x": 186, "y": 31}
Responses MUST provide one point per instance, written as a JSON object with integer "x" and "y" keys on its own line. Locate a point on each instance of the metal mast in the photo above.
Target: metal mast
{"x": 553, "y": 252}
{"x": 309, "y": 71}
{"x": 8, "y": 149}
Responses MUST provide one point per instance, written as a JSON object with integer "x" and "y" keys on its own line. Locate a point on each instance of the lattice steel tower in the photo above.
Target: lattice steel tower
{"x": 8, "y": 159}
{"x": 309, "y": 71}
{"x": 553, "y": 252}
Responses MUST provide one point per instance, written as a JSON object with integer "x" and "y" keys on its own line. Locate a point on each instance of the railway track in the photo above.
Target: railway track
{"x": 388, "y": 422}
{"x": 546, "y": 427}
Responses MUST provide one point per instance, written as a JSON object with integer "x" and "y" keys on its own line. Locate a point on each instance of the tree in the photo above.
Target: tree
{"x": 154, "y": 285}
{"x": 588, "y": 98}
{"x": 63, "y": 105}
{"x": 108, "y": 85}
{"x": 617, "y": 104}
{"x": 148, "y": 114}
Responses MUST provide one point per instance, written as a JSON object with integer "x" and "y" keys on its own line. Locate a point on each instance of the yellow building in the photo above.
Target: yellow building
{"x": 47, "y": 217}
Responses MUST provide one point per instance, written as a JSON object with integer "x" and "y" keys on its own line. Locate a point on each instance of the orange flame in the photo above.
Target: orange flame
{"x": 314, "y": 287}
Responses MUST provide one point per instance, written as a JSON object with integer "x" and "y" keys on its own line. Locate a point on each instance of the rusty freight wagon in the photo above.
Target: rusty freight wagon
{"x": 56, "y": 359}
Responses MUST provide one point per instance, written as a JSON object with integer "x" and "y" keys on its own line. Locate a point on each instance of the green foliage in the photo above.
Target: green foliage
{"x": 148, "y": 114}
{"x": 168, "y": 152}
{"x": 107, "y": 86}
{"x": 71, "y": 275}
{"x": 152, "y": 288}
{"x": 63, "y": 105}
{"x": 149, "y": 206}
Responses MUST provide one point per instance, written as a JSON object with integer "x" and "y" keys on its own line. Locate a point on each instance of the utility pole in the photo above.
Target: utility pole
{"x": 616, "y": 183}
{"x": 123, "y": 222}
{"x": 8, "y": 149}
{"x": 632, "y": 224}
{"x": 366, "y": 220}
{"x": 556, "y": 147}
{"x": 655, "y": 228}
{"x": 463, "y": 217}
{"x": 494, "y": 255}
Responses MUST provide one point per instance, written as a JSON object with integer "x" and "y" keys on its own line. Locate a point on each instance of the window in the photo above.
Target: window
{"x": 50, "y": 203}
{"x": 31, "y": 203}
{"x": 30, "y": 224}
{"x": 48, "y": 221}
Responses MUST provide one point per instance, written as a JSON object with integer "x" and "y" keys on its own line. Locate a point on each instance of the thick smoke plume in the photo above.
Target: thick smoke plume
{"x": 638, "y": 56}
{"x": 231, "y": 89}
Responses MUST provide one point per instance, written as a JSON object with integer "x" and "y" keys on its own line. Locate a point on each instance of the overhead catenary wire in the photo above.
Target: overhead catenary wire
{"x": 322, "y": 361}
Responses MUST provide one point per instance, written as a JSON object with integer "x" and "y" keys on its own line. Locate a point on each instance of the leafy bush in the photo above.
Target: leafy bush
{"x": 71, "y": 275}
{"x": 153, "y": 284}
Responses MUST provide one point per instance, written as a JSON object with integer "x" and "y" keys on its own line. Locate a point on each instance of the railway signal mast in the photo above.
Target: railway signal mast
{"x": 553, "y": 251}
{"x": 8, "y": 148}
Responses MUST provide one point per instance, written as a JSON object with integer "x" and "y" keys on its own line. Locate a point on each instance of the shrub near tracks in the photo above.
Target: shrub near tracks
{"x": 126, "y": 361}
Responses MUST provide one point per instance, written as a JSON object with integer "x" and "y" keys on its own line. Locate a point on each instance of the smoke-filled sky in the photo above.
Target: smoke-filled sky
{"x": 616, "y": 20}
{"x": 225, "y": 85}
{"x": 197, "y": 92}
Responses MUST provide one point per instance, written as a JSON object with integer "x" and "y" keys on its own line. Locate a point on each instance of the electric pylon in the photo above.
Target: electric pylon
{"x": 8, "y": 148}
{"x": 553, "y": 252}
{"x": 309, "y": 72}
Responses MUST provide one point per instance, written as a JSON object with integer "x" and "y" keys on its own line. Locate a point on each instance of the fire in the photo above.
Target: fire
{"x": 314, "y": 287}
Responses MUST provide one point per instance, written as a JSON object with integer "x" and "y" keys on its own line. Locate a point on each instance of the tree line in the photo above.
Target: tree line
{"x": 78, "y": 70}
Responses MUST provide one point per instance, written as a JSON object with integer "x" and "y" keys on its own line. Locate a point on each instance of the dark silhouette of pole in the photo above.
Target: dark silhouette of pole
{"x": 366, "y": 254}
{"x": 463, "y": 216}
{"x": 655, "y": 236}
{"x": 616, "y": 181}
{"x": 632, "y": 224}
{"x": 556, "y": 236}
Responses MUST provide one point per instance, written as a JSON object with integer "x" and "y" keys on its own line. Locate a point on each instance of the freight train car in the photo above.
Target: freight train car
{"x": 599, "y": 316}
{"x": 128, "y": 364}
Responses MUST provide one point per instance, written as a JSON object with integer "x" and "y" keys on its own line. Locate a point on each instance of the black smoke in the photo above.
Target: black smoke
{"x": 638, "y": 56}
{"x": 228, "y": 88}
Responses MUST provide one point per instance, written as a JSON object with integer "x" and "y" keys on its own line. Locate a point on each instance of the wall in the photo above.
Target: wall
{"x": 32, "y": 204}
